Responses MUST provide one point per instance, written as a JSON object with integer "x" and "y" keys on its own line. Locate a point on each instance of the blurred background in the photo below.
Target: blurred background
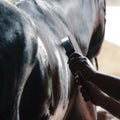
{"x": 109, "y": 56}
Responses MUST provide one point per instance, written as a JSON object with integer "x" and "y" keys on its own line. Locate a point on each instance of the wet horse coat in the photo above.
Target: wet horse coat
{"x": 50, "y": 91}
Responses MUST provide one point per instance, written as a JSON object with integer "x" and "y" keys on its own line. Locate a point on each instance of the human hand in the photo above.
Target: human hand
{"x": 92, "y": 93}
{"x": 79, "y": 64}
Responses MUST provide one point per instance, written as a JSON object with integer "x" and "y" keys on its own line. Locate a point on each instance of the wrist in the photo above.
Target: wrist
{"x": 93, "y": 76}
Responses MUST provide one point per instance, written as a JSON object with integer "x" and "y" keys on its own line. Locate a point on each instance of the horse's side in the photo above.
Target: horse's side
{"x": 18, "y": 51}
{"x": 50, "y": 91}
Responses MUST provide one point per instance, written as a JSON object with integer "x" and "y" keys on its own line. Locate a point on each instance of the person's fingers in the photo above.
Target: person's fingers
{"x": 74, "y": 56}
{"x": 76, "y": 62}
{"x": 85, "y": 93}
{"x": 79, "y": 64}
{"x": 74, "y": 66}
{"x": 91, "y": 92}
{"x": 80, "y": 60}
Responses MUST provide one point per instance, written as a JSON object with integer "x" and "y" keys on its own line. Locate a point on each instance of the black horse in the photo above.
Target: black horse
{"x": 36, "y": 83}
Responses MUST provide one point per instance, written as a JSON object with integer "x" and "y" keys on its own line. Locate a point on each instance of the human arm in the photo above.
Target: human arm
{"x": 97, "y": 97}
{"x": 107, "y": 83}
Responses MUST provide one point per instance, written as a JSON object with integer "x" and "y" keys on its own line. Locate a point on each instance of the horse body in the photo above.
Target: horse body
{"x": 15, "y": 61}
{"x": 50, "y": 91}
